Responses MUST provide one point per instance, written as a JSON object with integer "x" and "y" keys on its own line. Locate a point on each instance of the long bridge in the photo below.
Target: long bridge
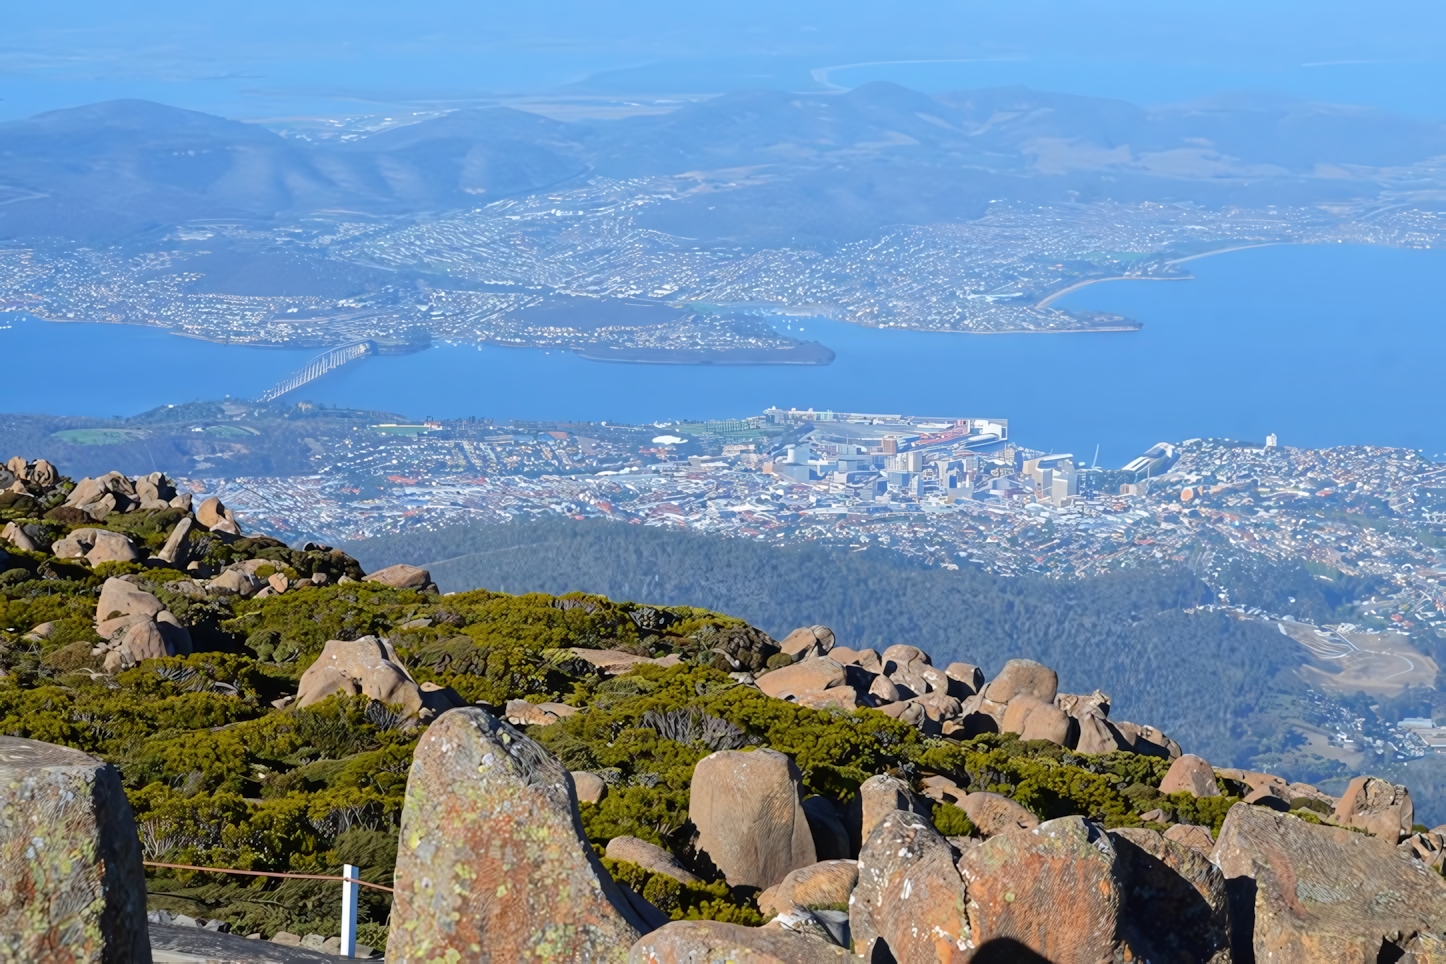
{"x": 327, "y": 361}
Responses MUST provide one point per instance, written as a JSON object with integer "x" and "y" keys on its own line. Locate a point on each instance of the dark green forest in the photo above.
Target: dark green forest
{"x": 1214, "y": 682}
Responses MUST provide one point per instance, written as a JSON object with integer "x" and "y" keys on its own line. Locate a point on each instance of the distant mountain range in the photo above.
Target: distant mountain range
{"x": 804, "y": 168}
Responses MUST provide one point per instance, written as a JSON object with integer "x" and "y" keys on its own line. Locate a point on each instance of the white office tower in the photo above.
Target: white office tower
{"x": 798, "y": 454}
{"x": 1064, "y": 487}
{"x": 913, "y": 461}
{"x": 1271, "y": 441}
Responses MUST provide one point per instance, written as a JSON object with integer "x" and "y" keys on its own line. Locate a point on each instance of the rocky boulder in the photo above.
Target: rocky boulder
{"x": 589, "y": 786}
{"x": 1023, "y": 676}
{"x": 1191, "y": 774}
{"x": 371, "y": 668}
{"x": 1174, "y": 906}
{"x": 1054, "y": 891}
{"x": 1378, "y": 807}
{"x": 71, "y": 881}
{"x": 1034, "y": 719}
{"x": 807, "y": 642}
{"x": 1190, "y": 835}
{"x": 823, "y": 884}
{"x": 819, "y": 673}
{"x": 123, "y": 604}
{"x": 710, "y": 941}
{"x": 966, "y": 679}
{"x": 878, "y": 797}
{"x": 749, "y": 814}
{"x": 493, "y": 863}
{"x": 1302, "y": 893}
{"x": 993, "y": 813}
{"x": 650, "y": 857}
{"x": 909, "y": 904}
{"x": 401, "y": 577}
{"x": 96, "y": 546}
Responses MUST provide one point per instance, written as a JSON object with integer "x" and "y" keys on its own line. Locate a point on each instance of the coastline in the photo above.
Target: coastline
{"x": 1047, "y": 299}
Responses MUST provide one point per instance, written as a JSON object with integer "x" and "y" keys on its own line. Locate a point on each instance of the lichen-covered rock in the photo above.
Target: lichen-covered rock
{"x": 1190, "y": 835}
{"x": 492, "y": 862}
{"x": 650, "y": 857}
{"x": 590, "y": 787}
{"x": 123, "y": 604}
{"x": 1034, "y": 719}
{"x": 909, "y": 905}
{"x": 878, "y": 797}
{"x": 1191, "y": 774}
{"x": 1378, "y": 807}
{"x": 1174, "y": 906}
{"x": 1301, "y": 893}
{"x": 71, "y": 883}
{"x": 714, "y": 942}
{"x": 749, "y": 813}
{"x": 1054, "y": 890}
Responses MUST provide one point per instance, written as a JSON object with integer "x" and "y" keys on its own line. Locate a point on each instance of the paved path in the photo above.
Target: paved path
{"x": 191, "y": 945}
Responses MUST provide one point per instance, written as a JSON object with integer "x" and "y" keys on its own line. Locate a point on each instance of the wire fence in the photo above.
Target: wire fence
{"x": 271, "y": 873}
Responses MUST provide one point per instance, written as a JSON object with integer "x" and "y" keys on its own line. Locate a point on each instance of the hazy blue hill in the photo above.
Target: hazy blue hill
{"x": 125, "y": 166}
{"x": 820, "y": 168}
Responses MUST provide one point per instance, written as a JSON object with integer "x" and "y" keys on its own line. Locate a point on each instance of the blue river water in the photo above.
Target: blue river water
{"x": 1323, "y": 345}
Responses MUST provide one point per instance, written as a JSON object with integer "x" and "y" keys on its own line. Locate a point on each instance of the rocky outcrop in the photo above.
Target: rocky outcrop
{"x": 650, "y": 857}
{"x": 1174, "y": 902}
{"x": 1020, "y": 677}
{"x": 71, "y": 882}
{"x": 992, "y": 813}
{"x": 824, "y": 884}
{"x": 810, "y": 675}
{"x": 878, "y": 797}
{"x": 807, "y": 642}
{"x": 370, "y": 667}
{"x": 493, "y": 863}
{"x": 615, "y": 662}
{"x": 1307, "y": 894}
{"x": 1055, "y": 891}
{"x": 1192, "y": 775}
{"x": 401, "y": 577}
{"x": 96, "y": 546}
{"x": 136, "y": 626}
{"x": 749, "y": 814}
{"x": 909, "y": 904}
{"x": 710, "y": 941}
{"x": 1378, "y": 807}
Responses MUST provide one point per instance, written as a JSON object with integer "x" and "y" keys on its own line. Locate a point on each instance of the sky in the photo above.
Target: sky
{"x": 266, "y": 58}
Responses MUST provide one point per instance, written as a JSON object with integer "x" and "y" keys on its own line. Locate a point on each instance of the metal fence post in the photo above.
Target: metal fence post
{"x": 350, "y": 892}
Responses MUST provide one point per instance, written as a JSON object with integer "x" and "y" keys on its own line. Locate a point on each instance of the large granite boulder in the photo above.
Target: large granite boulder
{"x": 371, "y": 668}
{"x": 96, "y": 546}
{"x": 807, "y": 642}
{"x": 878, "y": 797}
{"x": 823, "y": 884}
{"x": 1302, "y": 893}
{"x": 650, "y": 857}
{"x": 819, "y": 673}
{"x": 994, "y": 813}
{"x": 1175, "y": 906}
{"x": 492, "y": 862}
{"x": 1054, "y": 891}
{"x": 1192, "y": 775}
{"x": 1378, "y": 807}
{"x": 714, "y": 942}
{"x": 749, "y": 814}
{"x": 123, "y": 604}
{"x": 1021, "y": 676}
{"x": 401, "y": 577}
{"x": 1034, "y": 719}
{"x": 909, "y": 905}
{"x": 71, "y": 883}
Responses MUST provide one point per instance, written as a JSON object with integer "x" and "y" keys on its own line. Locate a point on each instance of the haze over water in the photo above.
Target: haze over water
{"x": 1324, "y": 345}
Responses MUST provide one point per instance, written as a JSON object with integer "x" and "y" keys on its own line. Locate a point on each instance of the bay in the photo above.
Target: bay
{"x": 1323, "y": 345}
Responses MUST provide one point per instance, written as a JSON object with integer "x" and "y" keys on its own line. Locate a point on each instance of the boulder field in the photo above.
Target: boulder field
{"x": 502, "y": 853}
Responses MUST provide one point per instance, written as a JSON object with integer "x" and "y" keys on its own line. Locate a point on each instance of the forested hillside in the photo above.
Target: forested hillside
{"x": 1213, "y": 679}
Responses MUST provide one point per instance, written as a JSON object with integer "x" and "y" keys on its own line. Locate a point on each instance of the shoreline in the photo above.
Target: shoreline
{"x": 1047, "y": 299}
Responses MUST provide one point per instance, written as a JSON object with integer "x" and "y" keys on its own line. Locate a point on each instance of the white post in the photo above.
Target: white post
{"x": 350, "y": 892}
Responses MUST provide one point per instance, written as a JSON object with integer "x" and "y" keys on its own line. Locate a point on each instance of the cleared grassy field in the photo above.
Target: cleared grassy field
{"x": 99, "y": 436}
